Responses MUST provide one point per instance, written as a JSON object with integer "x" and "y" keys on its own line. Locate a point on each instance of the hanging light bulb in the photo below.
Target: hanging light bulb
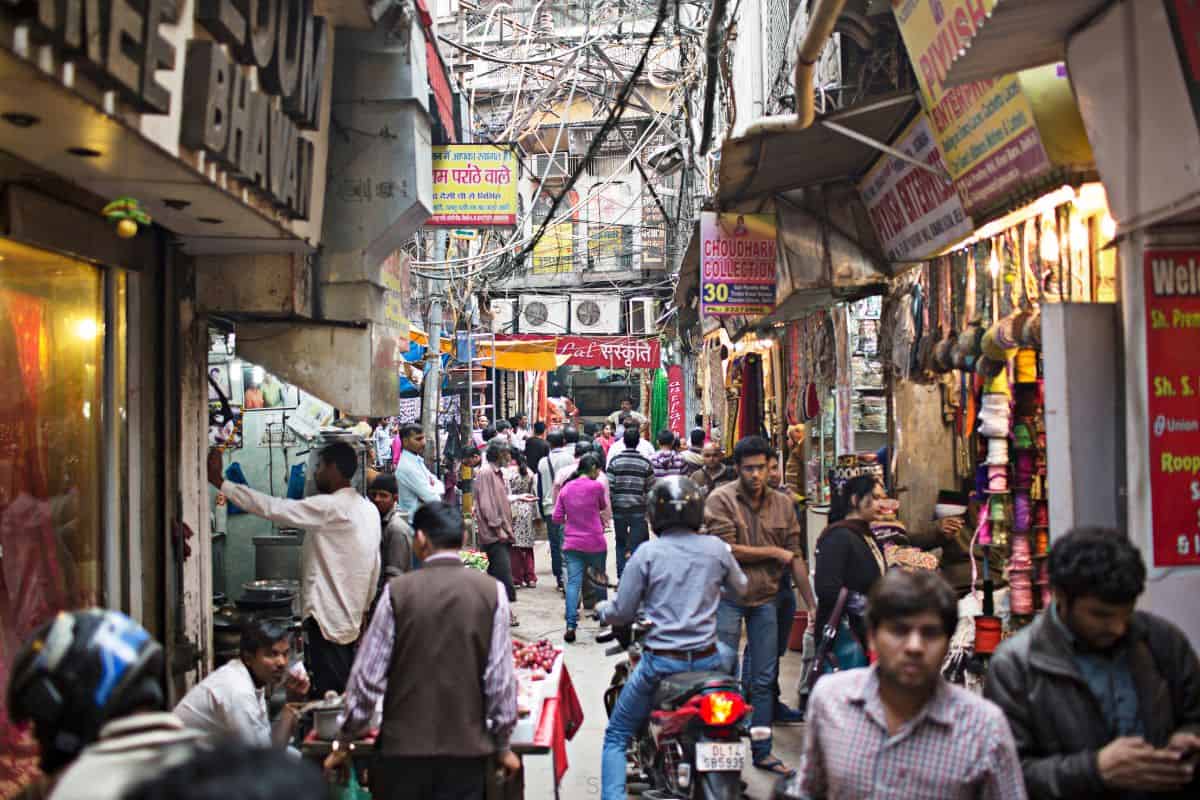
{"x": 1049, "y": 248}
{"x": 1079, "y": 236}
{"x": 994, "y": 263}
{"x": 1108, "y": 227}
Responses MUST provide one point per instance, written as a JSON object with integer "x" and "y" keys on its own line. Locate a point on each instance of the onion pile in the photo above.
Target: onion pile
{"x": 537, "y": 656}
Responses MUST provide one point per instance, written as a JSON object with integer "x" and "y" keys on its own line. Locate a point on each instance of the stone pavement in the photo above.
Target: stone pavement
{"x": 541, "y": 612}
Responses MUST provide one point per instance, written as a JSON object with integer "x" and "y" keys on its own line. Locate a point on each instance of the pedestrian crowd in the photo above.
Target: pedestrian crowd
{"x": 1093, "y": 698}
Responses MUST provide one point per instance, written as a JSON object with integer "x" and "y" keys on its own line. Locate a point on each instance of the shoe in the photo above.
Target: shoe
{"x": 513, "y": 622}
{"x": 561, "y": 589}
{"x": 569, "y": 636}
{"x": 787, "y": 716}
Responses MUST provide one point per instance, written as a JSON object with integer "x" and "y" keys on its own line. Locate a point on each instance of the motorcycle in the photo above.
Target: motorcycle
{"x": 691, "y": 747}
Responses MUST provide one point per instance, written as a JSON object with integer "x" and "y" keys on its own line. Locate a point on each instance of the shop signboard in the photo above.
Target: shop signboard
{"x": 610, "y": 247}
{"x": 737, "y": 264}
{"x": 654, "y": 231}
{"x": 554, "y": 251}
{"x": 675, "y": 403}
{"x": 630, "y": 352}
{"x": 915, "y": 213}
{"x": 1173, "y": 375}
{"x": 474, "y": 184}
{"x": 986, "y": 130}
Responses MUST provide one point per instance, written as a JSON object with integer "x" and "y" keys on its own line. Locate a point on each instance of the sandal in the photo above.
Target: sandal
{"x": 774, "y": 765}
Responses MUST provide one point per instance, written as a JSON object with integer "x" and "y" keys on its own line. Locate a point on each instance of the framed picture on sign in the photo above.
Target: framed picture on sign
{"x": 262, "y": 390}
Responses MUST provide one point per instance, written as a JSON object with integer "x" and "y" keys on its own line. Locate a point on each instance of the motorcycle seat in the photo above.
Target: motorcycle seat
{"x": 673, "y": 690}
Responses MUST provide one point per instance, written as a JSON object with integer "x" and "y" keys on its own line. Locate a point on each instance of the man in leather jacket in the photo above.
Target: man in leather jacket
{"x": 1103, "y": 701}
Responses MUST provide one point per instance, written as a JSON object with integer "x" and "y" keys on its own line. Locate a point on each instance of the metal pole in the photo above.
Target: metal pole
{"x": 433, "y": 376}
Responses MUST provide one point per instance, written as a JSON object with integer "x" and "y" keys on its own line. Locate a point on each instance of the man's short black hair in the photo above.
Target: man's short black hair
{"x": 902, "y": 593}
{"x": 583, "y": 448}
{"x": 539, "y": 427}
{"x": 570, "y": 434}
{"x": 384, "y": 482}
{"x": 261, "y": 634}
{"x": 488, "y": 434}
{"x": 666, "y": 437}
{"x": 751, "y": 446}
{"x": 410, "y": 429}
{"x": 699, "y": 420}
{"x": 441, "y": 524}
{"x": 342, "y": 456}
{"x": 697, "y": 436}
{"x": 554, "y": 438}
{"x": 233, "y": 771}
{"x": 495, "y": 450}
{"x": 1101, "y": 562}
{"x": 629, "y": 399}
{"x": 503, "y": 425}
{"x": 631, "y": 437}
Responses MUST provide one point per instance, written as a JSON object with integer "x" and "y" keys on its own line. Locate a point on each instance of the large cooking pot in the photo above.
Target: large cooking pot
{"x": 271, "y": 596}
{"x": 325, "y": 717}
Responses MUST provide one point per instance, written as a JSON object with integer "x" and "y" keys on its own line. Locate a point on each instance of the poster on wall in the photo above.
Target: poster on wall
{"x": 737, "y": 264}
{"x": 1173, "y": 375}
{"x": 915, "y": 213}
{"x": 474, "y": 184}
{"x": 985, "y": 129}
{"x": 554, "y": 251}
{"x": 262, "y": 390}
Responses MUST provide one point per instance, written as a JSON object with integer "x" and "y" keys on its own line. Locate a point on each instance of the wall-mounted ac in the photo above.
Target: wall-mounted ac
{"x": 643, "y": 312}
{"x": 544, "y": 313}
{"x": 504, "y": 315}
{"x": 551, "y": 165}
{"x": 595, "y": 313}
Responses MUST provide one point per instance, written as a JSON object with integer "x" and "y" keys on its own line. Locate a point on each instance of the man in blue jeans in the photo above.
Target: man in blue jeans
{"x": 630, "y": 476}
{"x": 760, "y": 526}
{"x": 676, "y": 581}
{"x": 560, "y": 455}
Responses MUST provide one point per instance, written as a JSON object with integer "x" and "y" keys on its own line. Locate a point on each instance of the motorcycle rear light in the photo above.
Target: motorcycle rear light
{"x": 722, "y": 708}
{"x": 683, "y": 775}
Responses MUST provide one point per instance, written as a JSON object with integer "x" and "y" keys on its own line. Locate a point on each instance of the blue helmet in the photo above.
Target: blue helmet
{"x": 77, "y": 672}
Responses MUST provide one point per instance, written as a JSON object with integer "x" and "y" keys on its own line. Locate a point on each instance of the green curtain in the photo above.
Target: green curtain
{"x": 658, "y": 404}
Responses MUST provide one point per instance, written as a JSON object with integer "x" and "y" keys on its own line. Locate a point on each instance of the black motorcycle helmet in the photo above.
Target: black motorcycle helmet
{"x": 675, "y": 502}
{"x": 79, "y": 671}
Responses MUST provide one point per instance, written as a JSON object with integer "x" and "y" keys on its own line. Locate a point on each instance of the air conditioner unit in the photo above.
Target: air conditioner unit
{"x": 504, "y": 315}
{"x": 551, "y": 165}
{"x": 643, "y": 314}
{"x": 595, "y": 313}
{"x": 544, "y": 313}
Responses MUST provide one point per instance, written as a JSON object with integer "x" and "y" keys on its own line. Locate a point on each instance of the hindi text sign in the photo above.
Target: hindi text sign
{"x": 737, "y": 264}
{"x": 1173, "y": 376}
{"x": 675, "y": 402}
{"x": 474, "y": 184}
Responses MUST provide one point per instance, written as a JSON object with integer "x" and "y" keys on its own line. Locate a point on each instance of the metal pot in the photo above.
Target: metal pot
{"x": 325, "y": 719}
{"x": 270, "y": 595}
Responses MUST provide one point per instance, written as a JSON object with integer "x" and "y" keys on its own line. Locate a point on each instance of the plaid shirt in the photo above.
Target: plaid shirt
{"x": 958, "y": 746}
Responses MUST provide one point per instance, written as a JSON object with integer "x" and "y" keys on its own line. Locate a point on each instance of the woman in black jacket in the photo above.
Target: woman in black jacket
{"x": 847, "y": 557}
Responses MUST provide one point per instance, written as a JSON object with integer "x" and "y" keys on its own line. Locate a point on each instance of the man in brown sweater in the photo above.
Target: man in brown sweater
{"x": 761, "y": 528}
{"x": 439, "y": 653}
{"x": 494, "y": 516}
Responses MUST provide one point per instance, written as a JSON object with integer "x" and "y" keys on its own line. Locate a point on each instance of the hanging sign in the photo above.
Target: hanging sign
{"x": 737, "y": 264}
{"x": 915, "y": 213}
{"x": 1173, "y": 374}
{"x": 610, "y": 351}
{"x": 676, "y": 416}
{"x": 474, "y": 184}
{"x": 985, "y": 129}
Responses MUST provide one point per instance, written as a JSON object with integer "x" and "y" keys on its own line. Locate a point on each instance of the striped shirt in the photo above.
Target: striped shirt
{"x": 667, "y": 462}
{"x": 629, "y": 479}
{"x": 958, "y": 746}
{"x": 369, "y": 675}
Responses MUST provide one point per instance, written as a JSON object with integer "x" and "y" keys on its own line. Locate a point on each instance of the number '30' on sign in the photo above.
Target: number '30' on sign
{"x": 716, "y": 292}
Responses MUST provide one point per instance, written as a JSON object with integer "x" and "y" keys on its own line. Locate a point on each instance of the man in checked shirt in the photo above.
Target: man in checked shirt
{"x": 437, "y": 632}
{"x": 898, "y": 730}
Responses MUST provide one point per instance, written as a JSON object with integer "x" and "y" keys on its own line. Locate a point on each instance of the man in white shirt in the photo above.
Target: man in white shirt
{"x": 561, "y": 454}
{"x": 339, "y": 562}
{"x": 415, "y": 484}
{"x": 626, "y": 409}
{"x": 232, "y": 700}
{"x": 643, "y": 447}
{"x": 383, "y": 446}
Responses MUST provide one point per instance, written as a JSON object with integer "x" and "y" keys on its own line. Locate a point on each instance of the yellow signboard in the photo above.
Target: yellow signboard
{"x": 474, "y": 184}
{"x": 986, "y": 129}
{"x": 554, "y": 252}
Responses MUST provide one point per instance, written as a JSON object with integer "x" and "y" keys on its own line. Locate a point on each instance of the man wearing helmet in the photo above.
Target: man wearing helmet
{"x": 89, "y": 681}
{"x": 676, "y": 580}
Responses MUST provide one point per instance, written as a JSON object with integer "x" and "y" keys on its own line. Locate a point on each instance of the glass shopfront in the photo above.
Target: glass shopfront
{"x": 60, "y": 446}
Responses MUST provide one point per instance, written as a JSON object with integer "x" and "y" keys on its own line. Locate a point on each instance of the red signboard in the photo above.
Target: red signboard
{"x": 614, "y": 352}
{"x": 675, "y": 403}
{"x": 1173, "y": 375}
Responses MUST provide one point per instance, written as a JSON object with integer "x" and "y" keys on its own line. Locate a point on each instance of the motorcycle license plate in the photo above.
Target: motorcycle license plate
{"x": 720, "y": 756}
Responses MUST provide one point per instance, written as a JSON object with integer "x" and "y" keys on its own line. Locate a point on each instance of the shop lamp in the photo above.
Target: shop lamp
{"x": 1049, "y": 247}
{"x": 1108, "y": 227}
{"x": 722, "y": 708}
{"x": 994, "y": 264}
{"x": 1079, "y": 237}
{"x": 87, "y": 329}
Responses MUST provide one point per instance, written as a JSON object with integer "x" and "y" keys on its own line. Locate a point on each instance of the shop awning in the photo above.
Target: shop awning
{"x": 765, "y": 164}
{"x": 522, "y": 356}
{"x": 1020, "y": 34}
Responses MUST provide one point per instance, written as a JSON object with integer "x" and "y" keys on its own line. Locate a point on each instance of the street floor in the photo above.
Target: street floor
{"x": 540, "y": 612}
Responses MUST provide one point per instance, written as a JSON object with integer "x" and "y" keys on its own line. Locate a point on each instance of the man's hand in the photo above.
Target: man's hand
{"x": 1131, "y": 763}
{"x": 297, "y": 688}
{"x": 1186, "y": 746}
{"x": 216, "y": 468}
{"x": 510, "y": 762}
{"x": 783, "y": 555}
{"x": 950, "y": 527}
{"x": 336, "y": 760}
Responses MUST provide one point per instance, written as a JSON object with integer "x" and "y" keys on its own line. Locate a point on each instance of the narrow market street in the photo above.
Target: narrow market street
{"x": 541, "y": 613}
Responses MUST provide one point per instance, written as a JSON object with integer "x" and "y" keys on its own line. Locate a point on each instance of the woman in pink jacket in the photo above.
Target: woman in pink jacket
{"x": 581, "y": 503}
